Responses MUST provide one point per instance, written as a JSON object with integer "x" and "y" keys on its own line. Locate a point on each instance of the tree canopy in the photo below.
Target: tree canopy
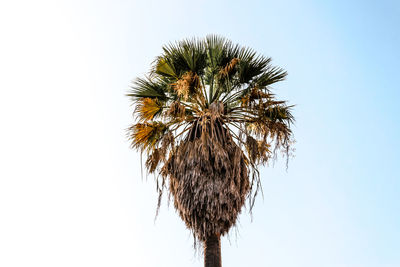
{"x": 206, "y": 119}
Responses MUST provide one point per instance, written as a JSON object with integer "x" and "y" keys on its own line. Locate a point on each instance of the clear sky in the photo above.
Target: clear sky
{"x": 70, "y": 188}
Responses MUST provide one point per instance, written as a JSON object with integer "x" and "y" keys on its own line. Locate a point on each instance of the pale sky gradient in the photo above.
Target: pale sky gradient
{"x": 70, "y": 188}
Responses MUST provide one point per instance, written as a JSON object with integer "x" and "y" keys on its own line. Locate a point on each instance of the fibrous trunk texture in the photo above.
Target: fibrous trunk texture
{"x": 208, "y": 178}
{"x": 212, "y": 251}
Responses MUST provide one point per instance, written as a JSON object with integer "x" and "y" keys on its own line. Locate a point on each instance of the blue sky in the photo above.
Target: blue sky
{"x": 70, "y": 188}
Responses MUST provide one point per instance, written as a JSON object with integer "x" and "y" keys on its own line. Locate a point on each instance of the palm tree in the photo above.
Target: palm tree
{"x": 206, "y": 119}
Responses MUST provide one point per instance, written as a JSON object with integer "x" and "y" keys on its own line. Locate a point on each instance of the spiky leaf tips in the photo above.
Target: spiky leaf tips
{"x": 207, "y": 119}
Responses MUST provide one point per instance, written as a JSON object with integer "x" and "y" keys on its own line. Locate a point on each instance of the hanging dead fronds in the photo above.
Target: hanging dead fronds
{"x": 208, "y": 177}
{"x": 188, "y": 84}
{"x": 153, "y": 160}
{"x": 176, "y": 111}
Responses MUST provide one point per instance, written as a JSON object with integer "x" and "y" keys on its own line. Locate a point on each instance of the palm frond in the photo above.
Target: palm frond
{"x": 148, "y": 88}
{"x": 146, "y": 135}
{"x": 186, "y": 55}
{"x": 148, "y": 108}
{"x": 270, "y": 76}
{"x": 164, "y": 67}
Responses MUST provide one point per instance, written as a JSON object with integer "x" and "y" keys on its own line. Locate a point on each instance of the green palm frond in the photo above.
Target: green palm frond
{"x": 186, "y": 55}
{"x": 147, "y": 87}
{"x": 270, "y": 76}
{"x": 164, "y": 67}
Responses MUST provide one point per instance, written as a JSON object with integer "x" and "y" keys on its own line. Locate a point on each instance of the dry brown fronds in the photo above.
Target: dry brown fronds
{"x": 257, "y": 97}
{"x": 256, "y": 93}
{"x": 146, "y": 135}
{"x": 176, "y": 111}
{"x": 147, "y": 108}
{"x": 153, "y": 160}
{"x": 257, "y": 150}
{"x": 188, "y": 84}
{"x": 225, "y": 71}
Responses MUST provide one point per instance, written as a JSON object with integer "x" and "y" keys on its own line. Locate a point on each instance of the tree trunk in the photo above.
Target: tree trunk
{"x": 212, "y": 251}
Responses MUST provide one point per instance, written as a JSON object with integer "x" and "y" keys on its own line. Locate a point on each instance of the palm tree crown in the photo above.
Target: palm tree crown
{"x": 206, "y": 119}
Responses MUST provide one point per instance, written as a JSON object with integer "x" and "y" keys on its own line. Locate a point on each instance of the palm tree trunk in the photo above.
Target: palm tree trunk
{"x": 212, "y": 251}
